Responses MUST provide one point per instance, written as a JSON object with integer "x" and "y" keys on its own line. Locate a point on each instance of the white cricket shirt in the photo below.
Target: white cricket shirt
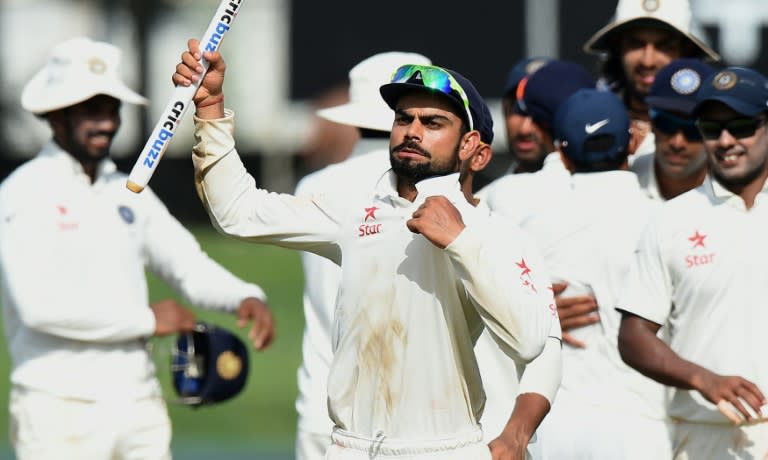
{"x": 644, "y": 168}
{"x": 350, "y": 181}
{"x": 408, "y": 313}
{"x": 72, "y": 261}
{"x": 587, "y": 229}
{"x": 700, "y": 267}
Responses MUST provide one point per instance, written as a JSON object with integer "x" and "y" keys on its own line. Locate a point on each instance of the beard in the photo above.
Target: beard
{"x": 415, "y": 172}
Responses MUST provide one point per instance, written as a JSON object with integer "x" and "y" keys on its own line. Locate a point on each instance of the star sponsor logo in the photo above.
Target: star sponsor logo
{"x": 525, "y": 275}
{"x": 369, "y": 226}
{"x": 697, "y": 239}
{"x": 66, "y": 222}
{"x": 698, "y": 243}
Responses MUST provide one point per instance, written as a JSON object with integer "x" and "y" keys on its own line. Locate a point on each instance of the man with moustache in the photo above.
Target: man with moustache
{"x": 643, "y": 37}
{"x": 74, "y": 247}
{"x": 424, "y": 271}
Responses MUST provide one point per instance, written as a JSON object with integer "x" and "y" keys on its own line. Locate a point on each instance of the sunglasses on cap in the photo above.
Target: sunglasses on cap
{"x": 737, "y": 127}
{"x": 670, "y": 124}
{"x": 435, "y": 78}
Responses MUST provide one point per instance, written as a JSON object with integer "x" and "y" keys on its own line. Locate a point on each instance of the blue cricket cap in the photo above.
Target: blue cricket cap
{"x": 592, "y": 128}
{"x": 208, "y": 365}
{"x": 677, "y": 84}
{"x": 743, "y": 90}
{"x": 548, "y": 87}
{"x": 481, "y": 115}
{"x": 523, "y": 68}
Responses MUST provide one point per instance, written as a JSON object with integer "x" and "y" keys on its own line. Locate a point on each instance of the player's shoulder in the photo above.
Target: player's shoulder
{"x": 30, "y": 175}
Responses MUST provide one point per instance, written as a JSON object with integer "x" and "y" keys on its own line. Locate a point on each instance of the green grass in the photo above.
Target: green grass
{"x": 263, "y": 414}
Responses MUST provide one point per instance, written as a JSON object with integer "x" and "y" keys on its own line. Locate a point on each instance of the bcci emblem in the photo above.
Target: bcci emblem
{"x": 725, "y": 80}
{"x": 229, "y": 365}
{"x": 97, "y": 66}
{"x": 685, "y": 81}
{"x": 650, "y": 5}
{"x": 126, "y": 214}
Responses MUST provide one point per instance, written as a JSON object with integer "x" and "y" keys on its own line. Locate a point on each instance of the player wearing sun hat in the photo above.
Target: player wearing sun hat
{"x": 74, "y": 253}
{"x": 642, "y": 37}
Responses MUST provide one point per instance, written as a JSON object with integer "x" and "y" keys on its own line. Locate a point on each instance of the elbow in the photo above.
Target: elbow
{"x": 531, "y": 348}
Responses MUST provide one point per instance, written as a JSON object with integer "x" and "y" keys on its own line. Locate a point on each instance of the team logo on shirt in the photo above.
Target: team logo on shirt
{"x": 372, "y": 228}
{"x": 126, "y": 213}
{"x": 525, "y": 275}
{"x": 698, "y": 244}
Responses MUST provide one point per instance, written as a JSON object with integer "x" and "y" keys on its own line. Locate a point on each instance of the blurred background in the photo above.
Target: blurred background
{"x": 286, "y": 58}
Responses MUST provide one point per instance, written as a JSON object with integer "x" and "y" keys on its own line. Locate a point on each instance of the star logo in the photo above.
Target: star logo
{"x": 62, "y": 210}
{"x": 697, "y": 239}
{"x": 524, "y": 267}
{"x": 370, "y": 213}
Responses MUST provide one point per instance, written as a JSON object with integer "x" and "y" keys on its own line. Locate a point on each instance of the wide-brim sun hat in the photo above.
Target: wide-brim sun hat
{"x": 365, "y": 108}
{"x": 675, "y": 15}
{"x": 77, "y": 70}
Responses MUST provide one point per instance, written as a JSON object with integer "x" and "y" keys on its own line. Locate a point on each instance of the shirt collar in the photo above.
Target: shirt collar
{"x": 447, "y": 185}
{"x": 721, "y": 194}
{"x": 53, "y": 151}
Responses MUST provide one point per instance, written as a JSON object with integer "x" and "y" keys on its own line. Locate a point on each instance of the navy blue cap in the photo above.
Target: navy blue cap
{"x": 523, "y": 68}
{"x": 481, "y": 115}
{"x": 548, "y": 87}
{"x": 742, "y": 89}
{"x": 677, "y": 84}
{"x": 208, "y": 365}
{"x": 592, "y": 128}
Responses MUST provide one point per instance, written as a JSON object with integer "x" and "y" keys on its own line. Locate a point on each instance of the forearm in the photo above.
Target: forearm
{"x": 643, "y": 350}
{"x": 530, "y": 409}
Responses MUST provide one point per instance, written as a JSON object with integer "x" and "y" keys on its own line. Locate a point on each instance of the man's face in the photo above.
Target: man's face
{"x": 86, "y": 129}
{"x": 644, "y": 51}
{"x": 425, "y": 138}
{"x": 524, "y": 138}
{"x": 677, "y": 156}
{"x": 735, "y": 162}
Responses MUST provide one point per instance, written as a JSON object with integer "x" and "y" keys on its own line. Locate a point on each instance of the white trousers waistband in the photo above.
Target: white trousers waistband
{"x": 381, "y": 446}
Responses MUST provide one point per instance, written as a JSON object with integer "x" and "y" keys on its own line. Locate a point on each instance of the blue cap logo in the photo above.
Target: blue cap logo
{"x": 725, "y": 80}
{"x": 126, "y": 213}
{"x": 685, "y": 81}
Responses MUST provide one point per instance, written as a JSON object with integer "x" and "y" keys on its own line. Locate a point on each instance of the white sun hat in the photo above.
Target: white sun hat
{"x": 366, "y": 108}
{"x": 674, "y": 14}
{"x": 77, "y": 70}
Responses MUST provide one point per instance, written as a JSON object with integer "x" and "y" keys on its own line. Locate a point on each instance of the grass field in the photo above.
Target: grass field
{"x": 260, "y": 422}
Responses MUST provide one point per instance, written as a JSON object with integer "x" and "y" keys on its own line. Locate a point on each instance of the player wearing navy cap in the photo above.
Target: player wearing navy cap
{"x": 699, "y": 271}
{"x": 523, "y": 139}
{"x": 679, "y": 162}
{"x": 414, "y": 295}
{"x": 605, "y": 410}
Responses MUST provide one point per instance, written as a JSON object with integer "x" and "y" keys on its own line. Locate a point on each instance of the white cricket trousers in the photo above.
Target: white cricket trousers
{"x": 710, "y": 441}
{"x": 311, "y": 446}
{"x": 46, "y": 427}
{"x": 347, "y": 446}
